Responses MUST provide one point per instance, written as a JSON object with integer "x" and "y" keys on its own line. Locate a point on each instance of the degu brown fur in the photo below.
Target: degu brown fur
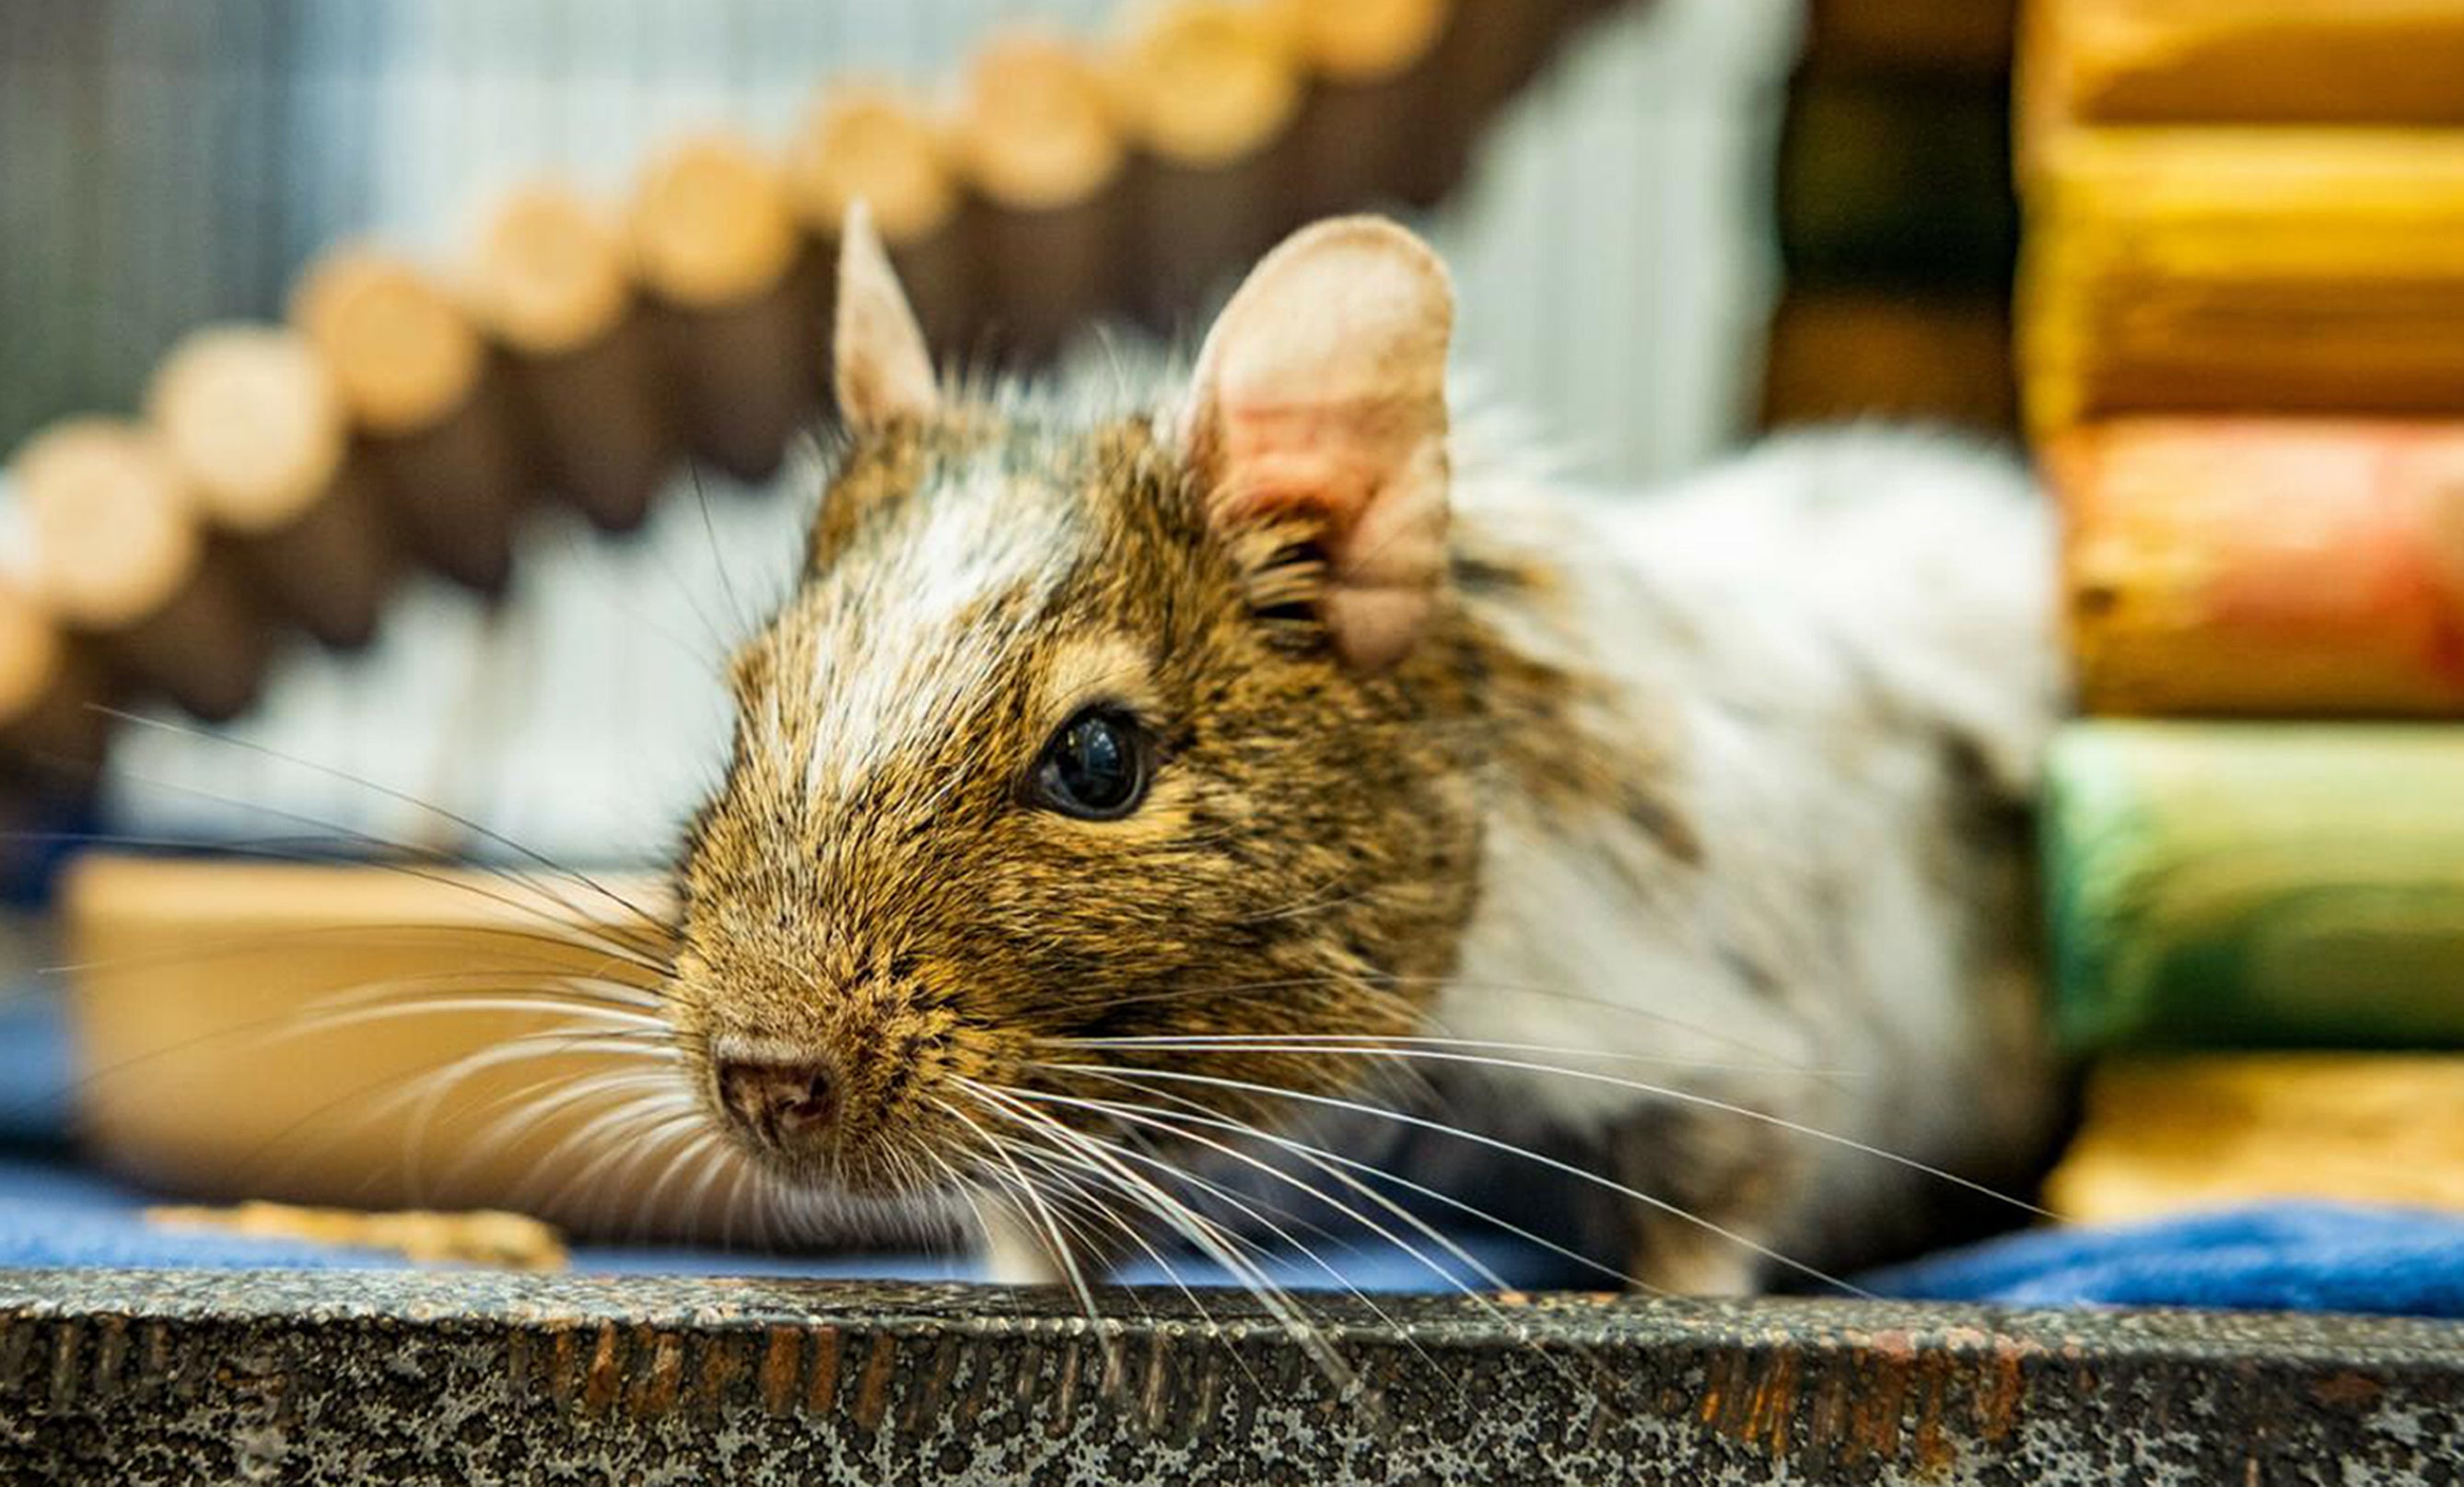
{"x": 1119, "y": 798}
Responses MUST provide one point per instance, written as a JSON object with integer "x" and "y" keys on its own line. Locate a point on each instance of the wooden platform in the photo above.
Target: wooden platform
{"x": 142, "y": 1378}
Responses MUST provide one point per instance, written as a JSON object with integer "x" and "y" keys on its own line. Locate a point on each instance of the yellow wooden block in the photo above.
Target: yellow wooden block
{"x": 2175, "y": 1134}
{"x": 375, "y": 1038}
{"x": 2244, "y": 270}
{"x": 2241, "y": 61}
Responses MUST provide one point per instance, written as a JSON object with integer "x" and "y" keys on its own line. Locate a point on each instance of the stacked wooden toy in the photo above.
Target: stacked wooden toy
{"x": 1897, "y": 221}
{"x": 2242, "y": 344}
{"x": 281, "y": 477}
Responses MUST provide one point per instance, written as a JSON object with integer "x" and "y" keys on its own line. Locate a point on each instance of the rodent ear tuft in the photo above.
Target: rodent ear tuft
{"x": 1320, "y": 394}
{"x": 880, "y": 367}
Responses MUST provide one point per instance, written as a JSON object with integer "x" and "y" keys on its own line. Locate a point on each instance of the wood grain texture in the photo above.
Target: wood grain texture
{"x": 2269, "y": 566}
{"x": 2221, "y": 885}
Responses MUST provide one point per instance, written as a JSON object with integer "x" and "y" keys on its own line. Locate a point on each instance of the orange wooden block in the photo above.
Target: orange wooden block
{"x": 2265, "y": 567}
{"x": 2245, "y": 270}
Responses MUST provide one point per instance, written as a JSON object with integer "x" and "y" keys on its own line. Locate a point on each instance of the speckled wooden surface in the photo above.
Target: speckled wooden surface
{"x": 163, "y": 1376}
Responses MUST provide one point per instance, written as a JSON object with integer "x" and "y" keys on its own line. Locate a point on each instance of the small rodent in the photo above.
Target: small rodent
{"x": 1120, "y": 793}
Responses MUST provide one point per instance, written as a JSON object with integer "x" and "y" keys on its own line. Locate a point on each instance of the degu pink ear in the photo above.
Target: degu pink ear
{"x": 880, "y": 367}
{"x": 1321, "y": 394}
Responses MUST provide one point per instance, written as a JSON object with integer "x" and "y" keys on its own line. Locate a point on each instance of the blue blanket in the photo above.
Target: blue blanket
{"x": 2280, "y": 1257}
{"x": 2303, "y": 1258}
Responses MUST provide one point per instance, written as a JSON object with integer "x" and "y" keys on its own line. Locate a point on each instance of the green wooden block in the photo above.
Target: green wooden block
{"x": 2239, "y": 886}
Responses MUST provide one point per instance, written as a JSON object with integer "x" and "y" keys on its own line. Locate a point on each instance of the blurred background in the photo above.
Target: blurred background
{"x": 409, "y": 405}
{"x": 1616, "y": 232}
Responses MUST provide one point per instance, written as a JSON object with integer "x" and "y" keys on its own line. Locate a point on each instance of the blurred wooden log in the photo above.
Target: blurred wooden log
{"x": 429, "y": 404}
{"x": 1885, "y": 183}
{"x": 2245, "y": 270}
{"x": 1038, "y": 142}
{"x": 254, "y": 420}
{"x": 717, "y": 243}
{"x": 1360, "y": 138}
{"x": 1841, "y": 355}
{"x": 549, "y": 283}
{"x": 118, "y": 555}
{"x": 870, "y": 142}
{"x": 2166, "y": 1136}
{"x": 1488, "y": 50}
{"x": 1206, "y": 90}
{"x": 2256, "y": 884}
{"x": 2265, "y": 566}
{"x": 51, "y": 732}
{"x": 1912, "y": 38}
{"x": 2242, "y": 61}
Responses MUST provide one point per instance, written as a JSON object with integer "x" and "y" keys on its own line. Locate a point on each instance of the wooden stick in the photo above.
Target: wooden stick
{"x": 2245, "y": 270}
{"x": 256, "y": 426}
{"x": 550, "y": 284}
{"x": 1358, "y": 141}
{"x": 714, "y": 235}
{"x": 871, "y": 143}
{"x": 118, "y": 555}
{"x": 2265, "y": 566}
{"x": 1206, "y": 90}
{"x": 2219, "y": 885}
{"x": 418, "y": 381}
{"x": 1037, "y": 138}
{"x": 52, "y": 732}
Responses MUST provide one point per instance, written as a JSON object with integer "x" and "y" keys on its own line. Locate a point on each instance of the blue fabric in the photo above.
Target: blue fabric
{"x": 2275, "y": 1258}
{"x": 34, "y": 1078}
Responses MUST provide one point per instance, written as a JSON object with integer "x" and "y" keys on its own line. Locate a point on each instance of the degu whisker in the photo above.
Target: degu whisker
{"x": 300, "y": 850}
{"x": 1078, "y": 1167}
{"x": 1438, "y": 1127}
{"x": 1317, "y": 1156}
{"x": 1393, "y": 984}
{"x": 622, "y": 1136}
{"x": 508, "y": 1116}
{"x": 1158, "y": 1122}
{"x": 399, "y": 934}
{"x": 1209, "y": 1237}
{"x": 1311, "y": 1041}
{"x": 1387, "y": 1048}
{"x": 338, "y": 1010}
{"x": 1060, "y": 1251}
{"x": 466, "y": 823}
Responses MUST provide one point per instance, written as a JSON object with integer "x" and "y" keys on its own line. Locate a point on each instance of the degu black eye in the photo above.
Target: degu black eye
{"x": 1095, "y": 768}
